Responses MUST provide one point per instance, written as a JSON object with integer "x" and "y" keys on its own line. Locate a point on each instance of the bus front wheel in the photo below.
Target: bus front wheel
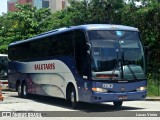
{"x": 118, "y": 104}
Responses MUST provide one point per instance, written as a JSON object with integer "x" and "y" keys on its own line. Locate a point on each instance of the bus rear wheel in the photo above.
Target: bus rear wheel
{"x": 24, "y": 90}
{"x": 118, "y": 104}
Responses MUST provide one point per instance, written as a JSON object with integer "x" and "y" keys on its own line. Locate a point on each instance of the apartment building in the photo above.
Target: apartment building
{"x": 12, "y": 3}
{"x": 57, "y": 4}
{"x": 54, "y": 5}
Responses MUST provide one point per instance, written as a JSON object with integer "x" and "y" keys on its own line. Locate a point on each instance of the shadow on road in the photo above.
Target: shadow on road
{"x": 84, "y": 107}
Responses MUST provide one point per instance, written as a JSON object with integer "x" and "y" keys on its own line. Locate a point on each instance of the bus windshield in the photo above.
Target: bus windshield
{"x": 117, "y": 55}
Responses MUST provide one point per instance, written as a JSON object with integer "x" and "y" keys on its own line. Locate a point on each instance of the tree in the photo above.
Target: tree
{"x": 25, "y": 23}
{"x": 147, "y": 19}
{"x": 29, "y": 21}
{"x": 93, "y": 11}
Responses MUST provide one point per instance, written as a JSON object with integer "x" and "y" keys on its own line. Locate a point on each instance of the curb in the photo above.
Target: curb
{"x": 152, "y": 98}
{"x": 9, "y": 93}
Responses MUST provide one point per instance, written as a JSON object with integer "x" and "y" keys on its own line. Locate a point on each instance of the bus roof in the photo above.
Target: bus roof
{"x": 82, "y": 27}
{"x": 107, "y": 27}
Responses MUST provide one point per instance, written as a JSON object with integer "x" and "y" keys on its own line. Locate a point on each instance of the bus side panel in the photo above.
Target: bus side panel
{"x": 45, "y": 77}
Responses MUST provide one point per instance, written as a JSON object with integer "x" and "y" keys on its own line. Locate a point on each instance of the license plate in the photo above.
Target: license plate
{"x": 122, "y": 97}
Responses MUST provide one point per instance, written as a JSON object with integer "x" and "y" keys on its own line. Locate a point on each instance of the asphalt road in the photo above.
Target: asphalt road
{"x": 50, "y": 107}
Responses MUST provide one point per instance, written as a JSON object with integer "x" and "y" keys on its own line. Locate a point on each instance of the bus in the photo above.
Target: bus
{"x": 87, "y": 63}
{"x": 3, "y": 70}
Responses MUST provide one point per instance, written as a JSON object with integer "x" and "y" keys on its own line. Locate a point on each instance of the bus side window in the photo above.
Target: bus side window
{"x": 81, "y": 53}
{"x": 11, "y": 53}
{"x": 61, "y": 44}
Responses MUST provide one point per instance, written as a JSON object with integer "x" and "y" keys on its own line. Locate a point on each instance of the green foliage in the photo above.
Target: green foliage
{"x": 29, "y": 21}
{"x": 25, "y": 23}
{"x": 153, "y": 85}
{"x": 93, "y": 12}
{"x": 147, "y": 19}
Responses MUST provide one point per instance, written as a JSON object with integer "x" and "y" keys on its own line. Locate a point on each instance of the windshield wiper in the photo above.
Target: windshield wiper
{"x": 133, "y": 74}
{"x": 124, "y": 63}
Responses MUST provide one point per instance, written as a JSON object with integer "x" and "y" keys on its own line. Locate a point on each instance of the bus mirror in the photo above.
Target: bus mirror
{"x": 88, "y": 46}
{"x": 147, "y": 53}
{"x": 147, "y": 57}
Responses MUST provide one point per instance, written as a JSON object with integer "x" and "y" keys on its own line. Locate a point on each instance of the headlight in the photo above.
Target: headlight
{"x": 141, "y": 88}
{"x": 99, "y": 90}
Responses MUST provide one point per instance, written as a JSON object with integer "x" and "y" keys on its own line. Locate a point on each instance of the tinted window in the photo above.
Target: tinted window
{"x": 113, "y": 35}
{"x": 54, "y": 45}
{"x": 19, "y": 52}
{"x": 61, "y": 44}
{"x": 81, "y": 53}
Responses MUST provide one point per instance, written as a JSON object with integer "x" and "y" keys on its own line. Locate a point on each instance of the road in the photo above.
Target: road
{"x": 60, "y": 109}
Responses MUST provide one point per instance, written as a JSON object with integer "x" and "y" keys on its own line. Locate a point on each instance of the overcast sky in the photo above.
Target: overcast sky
{"x": 3, "y": 6}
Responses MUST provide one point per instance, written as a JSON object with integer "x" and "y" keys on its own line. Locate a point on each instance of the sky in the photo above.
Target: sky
{"x": 3, "y": 6}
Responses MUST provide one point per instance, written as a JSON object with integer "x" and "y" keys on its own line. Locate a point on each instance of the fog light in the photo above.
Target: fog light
{"x": 141, "y": 88}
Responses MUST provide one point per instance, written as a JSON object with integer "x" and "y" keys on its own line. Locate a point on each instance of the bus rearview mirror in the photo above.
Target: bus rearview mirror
{"x": 88, "y": 46}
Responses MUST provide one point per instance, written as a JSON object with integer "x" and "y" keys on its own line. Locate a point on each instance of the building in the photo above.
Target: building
{"x": 45, "y": 4}
{"x": 37, "y": 3}
{"x": 12, "y": 4}
{"x": 41, "y": 3}
{"x": 57, "y": 5}
{"x": 54, "y": 5}
{"x": 24, "y": 1}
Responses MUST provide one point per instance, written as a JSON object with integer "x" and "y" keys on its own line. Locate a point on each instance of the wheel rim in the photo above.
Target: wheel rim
{"x": 72, "y": 97}
{"x": 19, "y": 89}
{"x": 24, "y": 90}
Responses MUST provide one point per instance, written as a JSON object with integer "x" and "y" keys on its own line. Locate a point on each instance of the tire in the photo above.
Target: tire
{"x": 118, "y": 104}
{"x": 24, "y": 90}
{"x": 73, "y": 98}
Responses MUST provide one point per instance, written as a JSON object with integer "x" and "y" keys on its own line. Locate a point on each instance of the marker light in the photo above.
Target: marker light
{"x": 106, "y": 76}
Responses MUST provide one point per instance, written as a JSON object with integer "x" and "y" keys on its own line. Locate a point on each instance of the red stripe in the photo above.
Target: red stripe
{"x": 4, "y": 82}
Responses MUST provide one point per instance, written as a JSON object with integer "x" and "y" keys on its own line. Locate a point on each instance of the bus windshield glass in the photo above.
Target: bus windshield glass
{"x": 117, "y": 55}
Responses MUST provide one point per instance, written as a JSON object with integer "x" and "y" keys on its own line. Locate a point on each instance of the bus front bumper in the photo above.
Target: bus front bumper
{"x": 111, "y": 97}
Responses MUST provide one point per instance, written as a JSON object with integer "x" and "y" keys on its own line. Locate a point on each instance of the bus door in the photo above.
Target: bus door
{"x": 82, "y": 64}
